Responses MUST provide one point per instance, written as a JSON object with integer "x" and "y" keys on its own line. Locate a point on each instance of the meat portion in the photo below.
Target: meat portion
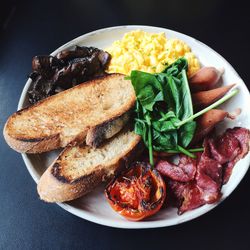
{"x": 207, "y": 122}
{"x": 184, "y": 171}
{"x": 209, "y": 176}
{"x": 192, "y": 198}
{"x": 230, "y": 148}
{"x": 212, "y": 169}
{"x": 204, "y": 189}
{"x": 68, "y": 68}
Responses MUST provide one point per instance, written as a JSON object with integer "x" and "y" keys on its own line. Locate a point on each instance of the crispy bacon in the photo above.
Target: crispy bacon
{"x": 204, "y": 189}
{"x": 209, "y": 176}
{"x": 185, "y": 196}
{"x": 184, "y": 171}
{"x": 243, "y": 137}
{"x": 225, "y": 148}
{"x": 194, "y": 183}
{"x": 230, "y": 148}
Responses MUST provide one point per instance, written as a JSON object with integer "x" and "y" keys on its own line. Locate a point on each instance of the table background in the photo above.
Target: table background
{"x": 28, "y": 28}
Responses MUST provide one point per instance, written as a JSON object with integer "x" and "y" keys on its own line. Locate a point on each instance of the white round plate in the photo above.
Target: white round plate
{"x": 94, "y": 207}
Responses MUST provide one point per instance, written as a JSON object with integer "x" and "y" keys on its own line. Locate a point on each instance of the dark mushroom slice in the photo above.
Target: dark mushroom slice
{"x": 77, "y": 52}
{"x": 68, "y": 68}
{"x": 46, "y": 65}
{"x": 41, "y": 89}
{"x": 104, "y": 58}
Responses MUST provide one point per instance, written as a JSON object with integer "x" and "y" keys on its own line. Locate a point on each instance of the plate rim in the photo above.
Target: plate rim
{"x": 128, "y": 224}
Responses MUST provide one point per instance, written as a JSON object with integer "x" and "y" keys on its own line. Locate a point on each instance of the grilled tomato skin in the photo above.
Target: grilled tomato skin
{"x": 137, "y": 193}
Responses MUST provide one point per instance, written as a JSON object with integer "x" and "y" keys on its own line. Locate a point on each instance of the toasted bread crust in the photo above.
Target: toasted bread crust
{"x": 29, "y": 141}
{"x": 32, "y": 146}
{"x": 52, "y": 189}
{"x": 55, "y": 186}
{"x": 97, "y": 134}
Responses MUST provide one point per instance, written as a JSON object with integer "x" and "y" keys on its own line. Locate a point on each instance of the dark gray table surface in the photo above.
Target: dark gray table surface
{"x": 29, "y": 28}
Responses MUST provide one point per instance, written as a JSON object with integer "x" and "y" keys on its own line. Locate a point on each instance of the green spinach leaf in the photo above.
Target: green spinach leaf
{"x": 186, "y": 133}
{"x": 175, "y": 68}
{"x": 163, "y": 100}
{"x": 186, "y": 105}
{"x": 163, "y": 126}
{"x": 146, "y": 97}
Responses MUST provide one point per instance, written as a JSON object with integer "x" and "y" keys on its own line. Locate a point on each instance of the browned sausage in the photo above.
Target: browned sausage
{"x": 205, "y": 79}
{"x": 203, "y": 99}
{"x": 207, "y": 122}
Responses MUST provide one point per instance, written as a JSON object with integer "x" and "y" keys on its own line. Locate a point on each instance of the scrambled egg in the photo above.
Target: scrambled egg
{"x": 148, "y": 52}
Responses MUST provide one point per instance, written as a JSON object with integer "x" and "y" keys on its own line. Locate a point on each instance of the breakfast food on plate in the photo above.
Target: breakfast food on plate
{"x": 164, "y": 114}
{"x": 202, "y": 99}
{"x": 148, "y": 52}
{"x": 204, "y": 125}
{"x": 92, "y": 111}
{"x": 53, "y": 74}
{"x": 165, "y": 118}
{"x": 195, "y": 182}
{"x": 204, "y": 79}
{"x": 79, "y": 169}
{"x": 207, "y": 122}
{"x": 170, "y": 103}
{"x": 138, "y": 193}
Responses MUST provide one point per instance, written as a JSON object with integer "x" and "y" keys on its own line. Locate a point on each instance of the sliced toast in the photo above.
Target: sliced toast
{"x": 91, "y": 112}
{"x": 79, "y": 169}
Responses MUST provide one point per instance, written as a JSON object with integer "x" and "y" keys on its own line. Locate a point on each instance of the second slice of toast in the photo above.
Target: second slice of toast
{"x": 79, "y": 169}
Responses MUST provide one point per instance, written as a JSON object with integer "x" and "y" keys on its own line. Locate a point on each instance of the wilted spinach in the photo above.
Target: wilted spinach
{"x": 164, "y": 111}
{"x": 163, "y": 100}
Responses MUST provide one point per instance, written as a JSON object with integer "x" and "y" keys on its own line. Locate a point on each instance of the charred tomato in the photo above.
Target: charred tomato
{"x": 137, "y": 193}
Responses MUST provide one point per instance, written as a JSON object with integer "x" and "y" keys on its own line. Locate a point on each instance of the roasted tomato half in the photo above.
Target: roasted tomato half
{"x": 137, "y": 193}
